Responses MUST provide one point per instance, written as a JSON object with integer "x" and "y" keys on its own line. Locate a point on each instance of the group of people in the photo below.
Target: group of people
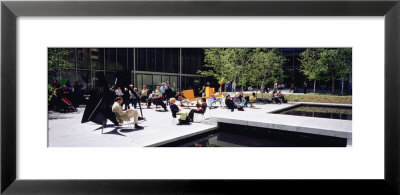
{"x": 187, "y": 117}
{"x": 63, "y": 98}
{"x": 278, "y": 97}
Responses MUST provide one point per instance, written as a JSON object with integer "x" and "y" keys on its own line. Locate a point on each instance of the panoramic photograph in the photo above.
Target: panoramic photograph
{"x": 199, "y": 97}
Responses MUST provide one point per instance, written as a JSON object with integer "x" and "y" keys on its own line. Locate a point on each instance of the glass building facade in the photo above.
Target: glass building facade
{"x": 176, "y": 67}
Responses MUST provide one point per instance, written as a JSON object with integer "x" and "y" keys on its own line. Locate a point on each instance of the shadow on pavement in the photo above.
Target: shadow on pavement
{"x": 115, "y": 132}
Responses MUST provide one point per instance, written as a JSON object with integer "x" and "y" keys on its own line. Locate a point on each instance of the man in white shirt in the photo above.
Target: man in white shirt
{"x": 163, "y": 88}
{"x": 121, "y": 115}
{"x": 118, "y": 92}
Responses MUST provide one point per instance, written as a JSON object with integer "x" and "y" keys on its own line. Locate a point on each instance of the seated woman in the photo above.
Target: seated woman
{"x": 143, "y": 94}
{"x": 252, "y": 99}
{"x": 222, "y": 100}
{"x": 200, "y": 108}
{"x": 180, "y": 97}
{"x": 281, "y": 97}
{"x": 175, "y": 111}
{"x": 245, "y": 101}
{"x": 274, "y": 98}
{"x": 211, "y": 101}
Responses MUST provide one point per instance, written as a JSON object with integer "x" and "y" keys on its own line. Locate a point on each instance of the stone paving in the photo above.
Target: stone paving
{"x": 66, "y": 130}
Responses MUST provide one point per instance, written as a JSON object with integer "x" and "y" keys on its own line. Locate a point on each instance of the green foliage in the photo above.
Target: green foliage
{"x": 321, "y": 98}
{"x": 311, "y": 97}
{"x": 58, "y": 59}
{"x": 327, "y": 64}
{"x": 244, "y": 65}
{"x": 310, "y": 64}
{"x": 267, "y": 67}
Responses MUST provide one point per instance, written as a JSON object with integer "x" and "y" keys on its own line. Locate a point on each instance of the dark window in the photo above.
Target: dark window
{"x": 97, "y": 56}
{"x": 130, "y": 59}
{"x": 139, "y": 81}
{"x": 167, "y": 60}
{"x": 175, "y": 60}
{"x": 141, "y": 59}
{"x": 159, "y": 60}
{"x": 122, "y": 59}
{"x": 192, "y": 60}
{"x": 151, "y": 59}
{"x": 110, "y": 59}
{"x": 84, "y": 77}
{"x": 110, "y": 78}
{"x": 83, "y": 56}
{"x": 148, "y": 81}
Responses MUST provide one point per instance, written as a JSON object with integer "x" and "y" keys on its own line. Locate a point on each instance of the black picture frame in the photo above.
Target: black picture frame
{"x": 10, "y": 10}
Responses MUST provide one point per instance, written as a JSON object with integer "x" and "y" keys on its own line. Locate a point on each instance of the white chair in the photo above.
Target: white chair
{"x": 175, "y": 120}
{"x": 198, "y": 115}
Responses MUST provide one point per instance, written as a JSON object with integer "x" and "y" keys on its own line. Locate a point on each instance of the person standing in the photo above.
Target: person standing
{"x": 228, "y": 86}
{"x": 275, "y": 86}
{"x": 203, "y": 91}
{"x": 118, "y": 92}
{"x": 292, "y": 87}
{"x": 78, "y": 93}
{"x": 163, "y": 88}
{"x": 133, "y": 95}
{"x": 168, "y": 94}
{"x": 234, "y": 86}
{"x": 126, "y": 97}
{"x": 305, "y": 87}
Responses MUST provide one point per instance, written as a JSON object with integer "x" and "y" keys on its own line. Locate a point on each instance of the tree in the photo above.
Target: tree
{"x": 58, "y": 62}
{"x": 344, "y": 65}
{"x": 310, "y": 65}
{"x": 338, "y": 63}
{"x": 267, "y": 66}
{"x": 243, "y": 65}
{"x": 227, "y": 63}
{"x": 239, "y": 59}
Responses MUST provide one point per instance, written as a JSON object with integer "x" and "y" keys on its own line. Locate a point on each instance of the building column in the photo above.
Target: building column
{"x": 134, "y": 68}
{"x": 91, "y": 67}
{"x": 180, "y": 68}
{"x": 76, "y": 65}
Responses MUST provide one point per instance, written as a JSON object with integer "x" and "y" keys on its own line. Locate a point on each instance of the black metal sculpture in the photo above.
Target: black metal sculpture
{"x": 99, "y": 108}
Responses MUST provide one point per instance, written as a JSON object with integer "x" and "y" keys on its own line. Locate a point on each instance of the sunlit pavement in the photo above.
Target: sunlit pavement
{"x": 66, "y": 129}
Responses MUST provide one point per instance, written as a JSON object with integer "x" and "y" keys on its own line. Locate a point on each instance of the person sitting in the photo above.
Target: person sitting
{"x": 245, "y": 101}
{"x": 143, "y": 94}
{"x": 240, "y": 95}
{"x": 200, "y": 108}
{"x": 122, "y": 116}
{"x": 158, "y": 90}
{"x": 252, "y": 99}
{"x": 211, "y": 100}
{"x": 176, "y": 111}
{"x": 231, "y": 105}
{"x": 157, "y": 100}
{"x": 222, "y": 100}
{"x": 274, "y": 98}
{"x": 150, "y": 98}
{"x": 180, "y": 97}
{"x": 281, "y": 96}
